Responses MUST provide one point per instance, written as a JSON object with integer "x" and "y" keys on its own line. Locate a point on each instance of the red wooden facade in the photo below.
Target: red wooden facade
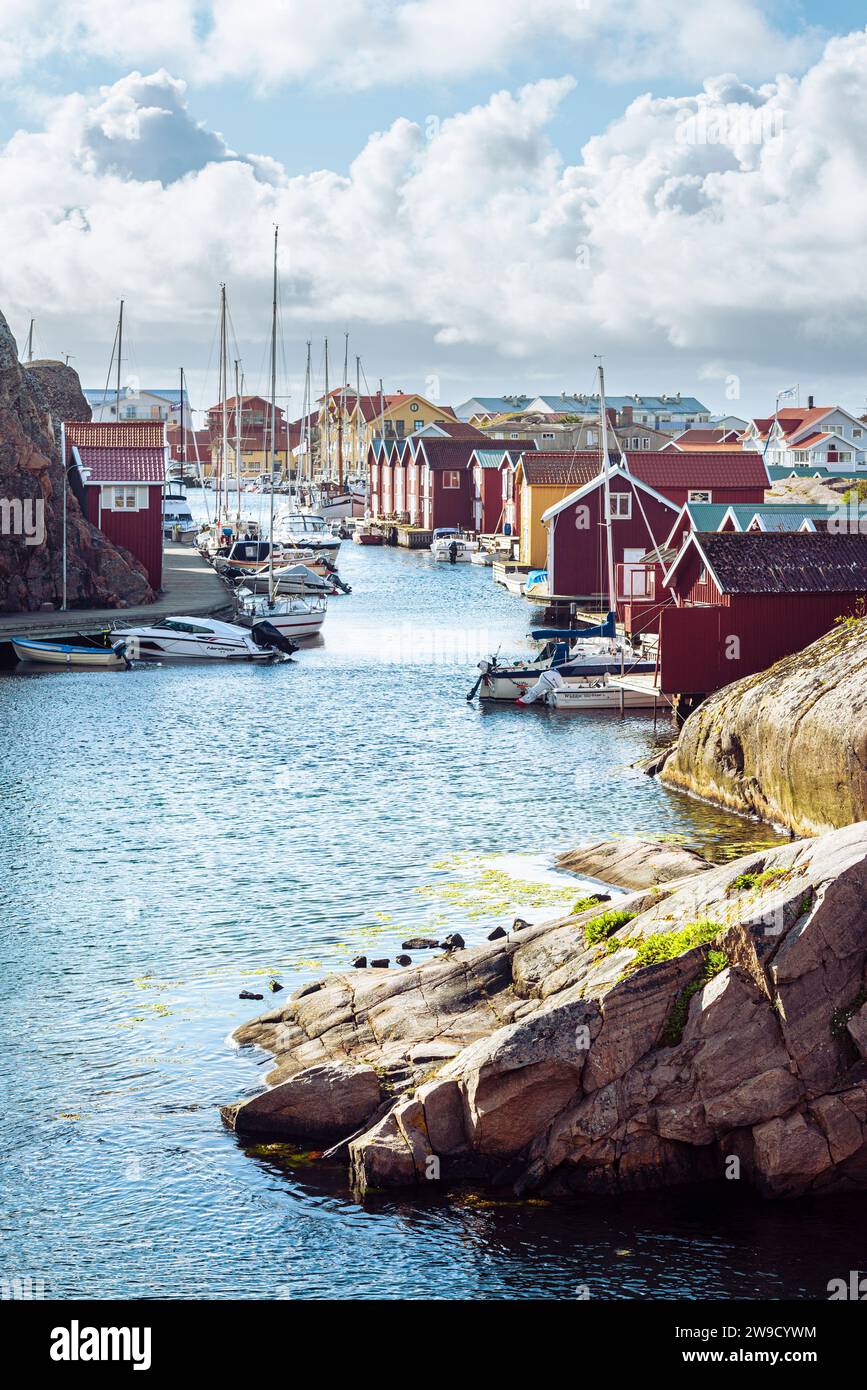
{"x": 428, "y": 482}
{"x": 139, "y": 531}
{"x": 577, "y": 555}
{"x": 121, "y": 473}
{"x": 712, "y": 635}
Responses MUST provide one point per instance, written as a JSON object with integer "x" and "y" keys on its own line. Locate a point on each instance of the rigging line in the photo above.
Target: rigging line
{"x": 110, "y": 365}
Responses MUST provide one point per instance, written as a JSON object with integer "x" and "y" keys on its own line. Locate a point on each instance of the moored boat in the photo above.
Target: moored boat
{"x": 450, "y": 546}
{"x": 196, "y": 639}
{"x": 74, "y": 651}
{"x": 365, "y": 533}
{"x": 292, "y": 617}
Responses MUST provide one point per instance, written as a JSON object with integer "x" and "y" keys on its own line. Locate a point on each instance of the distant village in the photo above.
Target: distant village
{"x": 735, "y": 541}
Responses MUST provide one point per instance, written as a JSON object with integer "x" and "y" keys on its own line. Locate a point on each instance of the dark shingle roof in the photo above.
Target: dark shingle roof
{"x": 758, "y": 562}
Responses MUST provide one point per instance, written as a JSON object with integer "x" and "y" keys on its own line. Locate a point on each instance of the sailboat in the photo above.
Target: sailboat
{"x": 580, "y": 688}
{"x": 574, "y": 668}
{"x": 293, "y": 617}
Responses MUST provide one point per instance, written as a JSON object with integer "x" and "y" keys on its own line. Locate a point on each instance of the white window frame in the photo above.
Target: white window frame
{"x": 699, "y": 494}
{"x": 115, "y": 497}
{"x": 621, "y": 506}
{"x": 450, "y": 474}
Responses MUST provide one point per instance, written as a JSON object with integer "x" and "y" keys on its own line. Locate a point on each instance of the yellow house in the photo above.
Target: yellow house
{"x": 542, "y": 478}
{"x": 254, "y": 430}
{"x": 349, "y": 423}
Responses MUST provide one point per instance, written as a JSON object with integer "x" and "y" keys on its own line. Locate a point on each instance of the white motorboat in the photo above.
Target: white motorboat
{"x": 592, "y": 654}
{"x": 196, "y": 639}
{"x": 304, "y": 531}
{"x": 178, "y": 517}
{"x": 291, "y": 617}
{"x": 75, "y": 651}
{"x": 450, "y": 546}
{"x": 587, "y": 692}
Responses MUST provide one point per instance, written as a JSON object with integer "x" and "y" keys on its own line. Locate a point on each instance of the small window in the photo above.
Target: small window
{"x": 700, "y": 495}
{"x": 451, "y": 478}
{"x": 621, "y": 506}
{"x": 546, "y": 434}
{"x": 418, "y": 424}
{"x": 702, "y": 578}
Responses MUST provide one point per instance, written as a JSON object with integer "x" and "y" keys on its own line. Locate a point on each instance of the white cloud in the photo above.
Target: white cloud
{"x": 368, "y": 43}
{"x": 724, "y": 229}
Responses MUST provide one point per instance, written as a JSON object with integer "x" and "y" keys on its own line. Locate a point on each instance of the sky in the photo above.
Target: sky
{"x": 484, "y": 194}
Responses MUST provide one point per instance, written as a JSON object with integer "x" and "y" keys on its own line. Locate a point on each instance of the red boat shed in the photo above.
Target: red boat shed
{"x": 728, "y": 478}
{"x": 119, "y": 469}
{"x": 577, "y": 557}
{"x": 744, "y": 599}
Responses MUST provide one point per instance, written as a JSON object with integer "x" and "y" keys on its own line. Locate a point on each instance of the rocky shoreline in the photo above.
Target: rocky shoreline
{"x": 709, "y": 1024}
{"x": 788, "y": 745}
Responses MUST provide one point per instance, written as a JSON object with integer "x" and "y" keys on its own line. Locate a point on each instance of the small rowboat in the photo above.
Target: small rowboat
{"x": 79, "y": 651}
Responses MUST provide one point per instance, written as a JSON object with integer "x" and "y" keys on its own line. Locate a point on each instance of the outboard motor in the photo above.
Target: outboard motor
{"x": 265, "y": 634}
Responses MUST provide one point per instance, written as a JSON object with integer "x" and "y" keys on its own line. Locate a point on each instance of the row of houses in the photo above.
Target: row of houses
{"x": 725, "y": 579}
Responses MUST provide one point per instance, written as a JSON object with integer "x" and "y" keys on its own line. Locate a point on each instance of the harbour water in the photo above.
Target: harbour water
{"x": 172, "y": 835}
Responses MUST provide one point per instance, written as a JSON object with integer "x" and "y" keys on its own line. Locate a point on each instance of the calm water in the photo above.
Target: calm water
{"x": 172, "y": 835}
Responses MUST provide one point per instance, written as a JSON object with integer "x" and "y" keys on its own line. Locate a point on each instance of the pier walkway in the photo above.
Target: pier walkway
{"x": 191, "y": 588}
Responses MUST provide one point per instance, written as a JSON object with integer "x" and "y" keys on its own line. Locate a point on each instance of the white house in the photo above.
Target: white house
{"x": 137, "y": 404}
{"x": 824, "y": 436}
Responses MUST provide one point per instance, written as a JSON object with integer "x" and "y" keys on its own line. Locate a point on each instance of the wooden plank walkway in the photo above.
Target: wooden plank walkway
{"x": 190, "y": 588}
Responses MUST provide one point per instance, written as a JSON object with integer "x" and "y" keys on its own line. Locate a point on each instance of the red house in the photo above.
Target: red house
{"x": 696, "y": 477}
{"x": 577, "y": 554}
{"x": 489, "y": 501}
{"x": 118, "y": 471}
{"x": 744, "y": 599}
{"x": 425, "y": 480}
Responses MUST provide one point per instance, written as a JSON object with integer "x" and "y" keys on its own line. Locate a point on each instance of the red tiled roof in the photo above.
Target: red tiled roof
{"x": 567, "y": 470}
{"x": 123, "y": 465}
{"x": 725, "y": 470}
{"x": 453, "y": 453}
{"x": 810, "y": 441}
{"x": 122, "y": 434}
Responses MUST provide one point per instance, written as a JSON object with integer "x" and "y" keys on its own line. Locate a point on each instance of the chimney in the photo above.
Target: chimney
{"x": 626, "y": 415}
{"x": 809, "y": 402}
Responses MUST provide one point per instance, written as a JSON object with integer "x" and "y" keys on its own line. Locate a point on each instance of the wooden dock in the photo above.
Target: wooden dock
{"x": 191, "y": 588}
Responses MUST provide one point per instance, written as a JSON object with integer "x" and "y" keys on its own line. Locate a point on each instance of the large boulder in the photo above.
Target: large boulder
{"x": 33, "y": 401}
{"x": 633, "y": 861}
{"x": 788, "y": 744}
{"x": 723, "y": 1021}
{"x": 321, "y": 1103}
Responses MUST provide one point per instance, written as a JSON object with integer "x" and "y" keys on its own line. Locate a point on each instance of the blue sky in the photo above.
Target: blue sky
{"x": 496, "y": 307}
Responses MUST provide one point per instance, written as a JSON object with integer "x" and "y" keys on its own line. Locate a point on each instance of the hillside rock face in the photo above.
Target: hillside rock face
{"x": 788, "y": 744}
{"x": 650, "y": 1058}
{"x": 33, "y": 401}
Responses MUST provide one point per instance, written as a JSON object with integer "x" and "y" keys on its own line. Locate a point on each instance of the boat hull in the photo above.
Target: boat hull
{"x": 66, "y": 654}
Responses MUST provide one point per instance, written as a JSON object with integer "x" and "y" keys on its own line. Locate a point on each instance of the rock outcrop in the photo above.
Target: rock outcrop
{"x": 788, "y": 744}
{"x": 633, "y": 861}
{"x": 710, "y": 1029}
{"x": 33, "y": 401}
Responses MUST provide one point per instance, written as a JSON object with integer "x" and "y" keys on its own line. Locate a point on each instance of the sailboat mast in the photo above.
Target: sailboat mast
{"x": 238, "y": 445}
{"x": 357, "y": 447}
{"x": 307, "y": 457}
{"x": 326, "y": 472}
{"x": 224, "y": 409}
{"x": 273, "y": 421}
{"x": 119, "y": 352}
{"x": 342, "y": 413}
{"x": 183, "y": 436}
{"x": 30, "y": 342}
{"x": 606, "y": 486}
